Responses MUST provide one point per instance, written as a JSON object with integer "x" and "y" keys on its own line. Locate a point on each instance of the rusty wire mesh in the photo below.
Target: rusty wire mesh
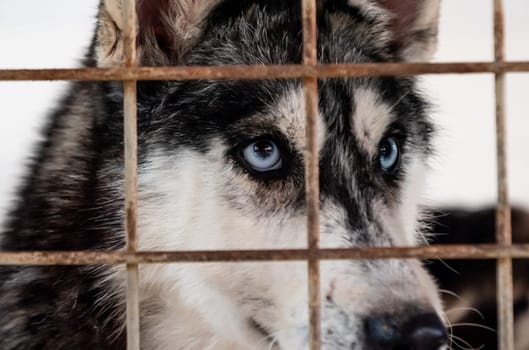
{"x": 504, "y": 251}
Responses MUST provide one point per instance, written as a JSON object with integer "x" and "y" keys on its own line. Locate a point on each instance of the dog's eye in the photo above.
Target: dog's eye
{"x": 389, "y": 154}
{"x": 263, "y": 156}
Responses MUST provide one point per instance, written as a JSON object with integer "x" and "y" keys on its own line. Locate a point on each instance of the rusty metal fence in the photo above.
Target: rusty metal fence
{"x": 504, "y": 251}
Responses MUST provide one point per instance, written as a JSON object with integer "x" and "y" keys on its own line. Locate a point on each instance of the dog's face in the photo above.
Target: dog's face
{"x": 221, "y": 167}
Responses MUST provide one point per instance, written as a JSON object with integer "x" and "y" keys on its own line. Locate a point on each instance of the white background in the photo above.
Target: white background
{"x": 55, "y": 33}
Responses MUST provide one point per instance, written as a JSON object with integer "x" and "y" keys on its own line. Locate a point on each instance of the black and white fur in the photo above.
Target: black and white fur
{"x": 195, "y": 193}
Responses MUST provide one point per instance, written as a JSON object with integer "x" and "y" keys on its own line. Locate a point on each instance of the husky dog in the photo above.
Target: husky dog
{"x": 221, "y": 167}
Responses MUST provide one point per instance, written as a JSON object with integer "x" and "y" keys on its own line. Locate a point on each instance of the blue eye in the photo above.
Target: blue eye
{"x": 388, "y": 154}
{"x": 263, "y": 156}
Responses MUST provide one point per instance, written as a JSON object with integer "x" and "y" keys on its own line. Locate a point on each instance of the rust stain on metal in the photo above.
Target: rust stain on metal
{"x": 131, "y": 171}
{"x": 504, "y": 280}
{"x": 499, "y": 31}
{"x": 504, "y": 305}
{"x": 262, "y": 72}
{"x": 133, "y": 307}
{"x": 131, "y": 222}
{"x": 313, "y": 207}
{"x": 129, "y": 32}
{"x": 309, "y": 32}
{"x": 312, "y": 176}
{"x": 479, "y": 251}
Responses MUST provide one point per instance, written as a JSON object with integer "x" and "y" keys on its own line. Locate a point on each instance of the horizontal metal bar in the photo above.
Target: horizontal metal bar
{"x": 262, "y": 72}
{"x": 480, "y": 251}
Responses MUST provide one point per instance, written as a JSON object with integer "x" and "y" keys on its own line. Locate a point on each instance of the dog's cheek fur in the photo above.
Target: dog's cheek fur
{"x": 201, "y": 200}
{"x": 400, "y": 218}
{"x": 193, "y": 200}
{"x": 213, "y": 222}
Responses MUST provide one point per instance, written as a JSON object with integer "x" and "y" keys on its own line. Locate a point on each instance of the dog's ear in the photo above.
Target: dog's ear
{"x": 414, "y": 25}
{"x": 166, "y": 29}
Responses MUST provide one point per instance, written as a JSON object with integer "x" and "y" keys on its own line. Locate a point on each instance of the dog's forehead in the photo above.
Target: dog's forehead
{"x": 363, "y": 108}
{"x": 357, "y": 110}
{"x": 355, "y": 113}
{"x": 270, "y": 32}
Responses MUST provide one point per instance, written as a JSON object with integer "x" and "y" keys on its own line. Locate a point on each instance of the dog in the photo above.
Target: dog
{"x": 221, "y": 167}
{"x": 470, "y": 285}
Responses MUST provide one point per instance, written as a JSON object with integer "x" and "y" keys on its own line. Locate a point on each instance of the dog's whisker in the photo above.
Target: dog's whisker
{"x": 449, "y": 292}
{"x": 449, "y": 328}
{"x": 471, "y": 324}
{"x": 399, "y": 100}
{"x": 466, "y": 308}
{"x": 271, "y": 339}
{"x": 463, "y": 344}
{"x": 274, "y": 342}
{"x": 449, "y": 267}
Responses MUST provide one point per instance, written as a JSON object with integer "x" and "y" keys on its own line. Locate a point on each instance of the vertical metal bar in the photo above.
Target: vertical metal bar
{"x": 504, "y": 282}
{"x": 310, "y": 89}
{"x": 131, "y": 164}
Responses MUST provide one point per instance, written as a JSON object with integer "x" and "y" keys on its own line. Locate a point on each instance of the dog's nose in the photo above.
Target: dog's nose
{"x": 421, "y": 332}
{"x": 425, "y": 332}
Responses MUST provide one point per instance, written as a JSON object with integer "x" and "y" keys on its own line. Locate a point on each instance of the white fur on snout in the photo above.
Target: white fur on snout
{"x": 361, "y": 288}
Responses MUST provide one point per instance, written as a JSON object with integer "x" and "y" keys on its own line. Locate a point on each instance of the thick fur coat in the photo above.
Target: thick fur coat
{"x": 198, "y": 188}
